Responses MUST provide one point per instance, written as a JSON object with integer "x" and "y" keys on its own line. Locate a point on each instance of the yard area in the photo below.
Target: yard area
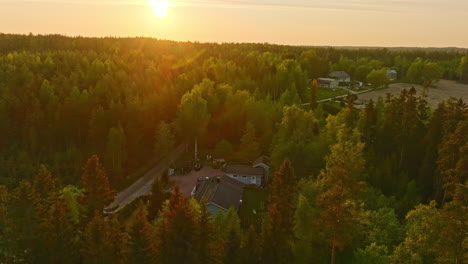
{"x": 323, "y": 93}
{"x": 254, "y": 204}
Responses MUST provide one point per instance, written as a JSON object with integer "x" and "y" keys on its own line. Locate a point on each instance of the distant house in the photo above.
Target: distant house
{"x": 328, "y": 83}
{"x": 246, "y": 174}
{"x": 341, "y": 76}
{"x": 392, "y": 75}
{"x": 220, "y": 193}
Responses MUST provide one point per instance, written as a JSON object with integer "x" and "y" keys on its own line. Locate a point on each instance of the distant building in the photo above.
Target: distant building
{"x": 220, "y": 193}
{"x": 264, "y": 163}
{"x": 328, "y": 83}
{"x": 392, "y": 75}
{"x": 246, "y": 174}
{"x": 341, "y": 76}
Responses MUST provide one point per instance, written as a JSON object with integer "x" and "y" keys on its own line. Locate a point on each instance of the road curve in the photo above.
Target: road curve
{"x": 143, "y": 185}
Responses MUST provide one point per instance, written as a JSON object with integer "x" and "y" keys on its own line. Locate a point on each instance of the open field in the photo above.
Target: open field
{"x": 440, "y": 91}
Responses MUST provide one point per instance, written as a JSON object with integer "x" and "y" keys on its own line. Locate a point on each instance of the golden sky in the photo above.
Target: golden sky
{"x": 422, "y": 23}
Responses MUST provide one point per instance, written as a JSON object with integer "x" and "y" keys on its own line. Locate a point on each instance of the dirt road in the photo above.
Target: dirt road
{"x": 143, "y": 185}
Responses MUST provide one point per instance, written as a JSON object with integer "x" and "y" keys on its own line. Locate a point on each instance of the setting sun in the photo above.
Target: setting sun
{"x": 160, "y": 7}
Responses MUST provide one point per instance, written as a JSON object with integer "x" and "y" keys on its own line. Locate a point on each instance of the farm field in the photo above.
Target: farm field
{"x": 440, "y": 91}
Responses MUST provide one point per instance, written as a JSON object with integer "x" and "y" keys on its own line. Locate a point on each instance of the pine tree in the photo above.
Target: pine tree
{"x": 104, "y": 242}
{"x": 249, "y": 148}
{"x": 164, "y": 140}
{"x": 157, "y": 198}
{"x": 141, "y": 247}
{"x": 313, "y": 94}
{"x": 98, "y": 192}
{"x": 250, "y": 248}
{"x": 207, "y": 246}
{"x": 231, "y": 237}
{"x": 59, "y": 236}
{"x": 450, "y": 153}
{"x": 176, "y": 231}
{"x": 6, "y": 233}
{"x": 278, "y": 234}
{"x": 342, "y": 180}
{"x": 116, "y": 151}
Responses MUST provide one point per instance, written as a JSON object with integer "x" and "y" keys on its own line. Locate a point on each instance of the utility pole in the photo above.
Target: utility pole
{"x": 196, "y": 149}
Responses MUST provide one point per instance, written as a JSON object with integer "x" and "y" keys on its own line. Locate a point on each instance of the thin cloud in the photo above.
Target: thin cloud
{"x": 350, "y": 5}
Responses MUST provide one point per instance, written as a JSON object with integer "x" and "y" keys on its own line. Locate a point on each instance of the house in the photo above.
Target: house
{"x": 328, "y": 83}
{"x": 246, "y": 174}
{"x": 340, "y": 76}
{"x": 263, "y": 162}
{"x": 220, "y": 193}
{"x": 392, "y": 75}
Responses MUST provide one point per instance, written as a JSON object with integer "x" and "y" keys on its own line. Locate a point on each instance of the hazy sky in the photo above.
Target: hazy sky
{"x": 427, "y": 23}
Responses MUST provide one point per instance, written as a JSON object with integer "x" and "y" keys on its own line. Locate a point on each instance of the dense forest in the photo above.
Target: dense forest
{"x": 80, "y": 117}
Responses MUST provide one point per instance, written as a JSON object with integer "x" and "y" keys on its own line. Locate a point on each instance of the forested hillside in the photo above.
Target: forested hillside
{"x": 79, "y": 118}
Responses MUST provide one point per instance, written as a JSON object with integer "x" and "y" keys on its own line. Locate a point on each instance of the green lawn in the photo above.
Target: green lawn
{"x": 323, "y": 93}
{"x": 253, "y": 199}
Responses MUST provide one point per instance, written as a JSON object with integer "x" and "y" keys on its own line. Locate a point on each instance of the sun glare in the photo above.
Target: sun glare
{"x": 160, "y": 7}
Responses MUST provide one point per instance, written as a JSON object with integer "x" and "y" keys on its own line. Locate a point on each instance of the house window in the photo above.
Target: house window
{"x": 243, "y": 176}
{"x": 234, "y": 176}
{"x": 253, "y": 177}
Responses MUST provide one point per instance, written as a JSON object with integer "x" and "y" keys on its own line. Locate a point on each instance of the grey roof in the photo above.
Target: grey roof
{"x": 325, "y": 80}
{"x": 244, "y": 170}
{"x": 338, "y": 74}
{"x": 227, "y": 193}
{"x": 262, "y": 159}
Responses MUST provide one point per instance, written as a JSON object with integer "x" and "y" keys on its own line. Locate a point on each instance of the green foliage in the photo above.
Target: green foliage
{"x": 223, "y": 149}
{"x": 104, "y": 242}
{"x": 164, "y": 140}
{"x": 278, "y": 236}
{"x": 97, "y": 191}
{"x": 141, "y": 248}
{"x": 377, "y": 78}
{"x": 423, "y": 72}
{"x": 372, "y": 254}
{"x": 463, "y": 69}
{"x": 295, "y": 138}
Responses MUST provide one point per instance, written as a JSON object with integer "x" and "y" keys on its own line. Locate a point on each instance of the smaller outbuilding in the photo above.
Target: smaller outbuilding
{"x": 328, "y": 83}
{"x": 392, "y": 75}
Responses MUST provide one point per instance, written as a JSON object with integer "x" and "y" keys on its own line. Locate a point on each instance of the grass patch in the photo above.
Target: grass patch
{"x": 253, "y": 199}
{"x": 323, "y": 93}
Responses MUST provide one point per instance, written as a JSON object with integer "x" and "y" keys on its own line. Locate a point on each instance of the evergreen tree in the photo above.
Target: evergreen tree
{"x": 164, "y": 140}
{"x": 103, "y": 241}
{"x": 157, "y": 198}
{"x": 98, "y": 192}
{"x": 116, "y": 151}
{"x": 278, "y": 236}
{"x": 341, "y": 213}
{"x": 207, "y": 237}
{"x": 450, "y": 153}
{"x": 250, "y": 248}
{"x": 231, "y": 237}
{"x": 176, "y": 231}
{"x": 313, "y": 94}
{"x": 141, "y": 247}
